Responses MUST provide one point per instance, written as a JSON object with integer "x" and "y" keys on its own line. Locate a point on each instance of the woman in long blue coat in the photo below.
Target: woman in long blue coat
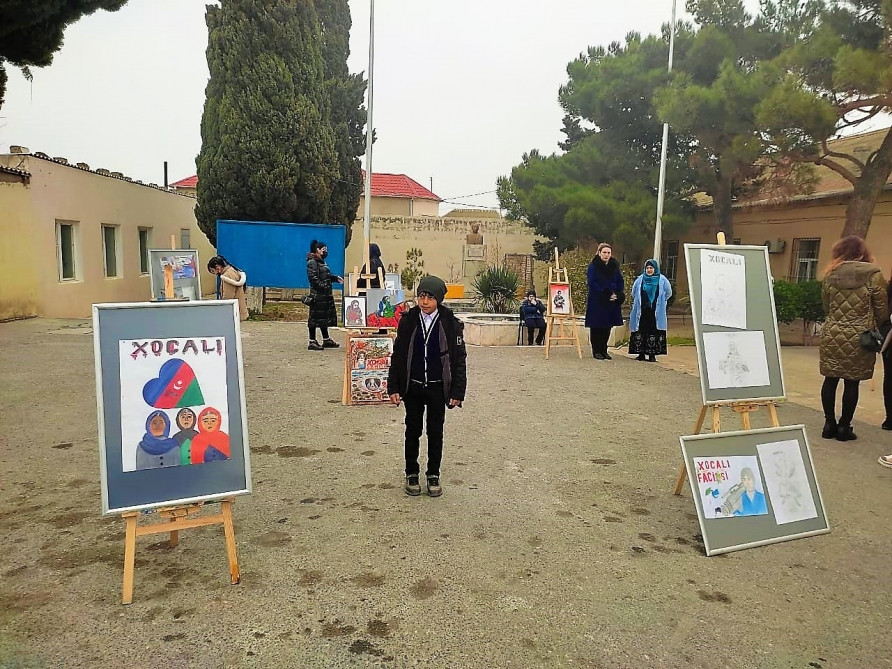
{"x": 605, "y": 298}
{"x": 648, "y": 321}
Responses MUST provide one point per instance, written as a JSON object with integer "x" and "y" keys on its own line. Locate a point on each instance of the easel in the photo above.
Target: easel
{"x": 742, "y": 408}
{"x": 178, "y": 519}
{"x": 558, "y": 274}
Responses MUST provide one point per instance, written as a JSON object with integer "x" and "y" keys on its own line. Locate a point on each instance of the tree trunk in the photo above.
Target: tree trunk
{"x": 870, "y": 184}
{"x": 721, "y": 207}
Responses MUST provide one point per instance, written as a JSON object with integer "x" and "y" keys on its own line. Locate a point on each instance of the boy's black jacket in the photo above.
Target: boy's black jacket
{"x": 453, "y": 355}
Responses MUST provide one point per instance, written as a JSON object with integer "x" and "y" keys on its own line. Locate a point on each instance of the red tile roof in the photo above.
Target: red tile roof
{"x": 399, "y": 185}
{"x": 188, "y": 182}
{"x": 383, "y": 185}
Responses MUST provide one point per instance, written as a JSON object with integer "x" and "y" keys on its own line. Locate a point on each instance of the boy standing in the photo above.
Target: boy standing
{"x": 427, "y": 371}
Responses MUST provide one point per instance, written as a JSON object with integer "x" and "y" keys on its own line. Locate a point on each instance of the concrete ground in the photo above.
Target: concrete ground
{"x": 557, "y": 542}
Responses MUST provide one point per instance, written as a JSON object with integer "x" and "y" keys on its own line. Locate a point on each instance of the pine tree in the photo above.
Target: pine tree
{"x": 268, "y": 151}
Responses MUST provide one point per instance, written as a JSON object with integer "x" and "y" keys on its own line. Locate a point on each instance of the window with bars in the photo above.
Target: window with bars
{"x": 66, "y": 250}
{"x": 110, "y": 250}
{"x": 185, "y": 238}
{"x": 145, "y": 238}
{"x": 669, "y": 261}
{"x": 804, "y": 259}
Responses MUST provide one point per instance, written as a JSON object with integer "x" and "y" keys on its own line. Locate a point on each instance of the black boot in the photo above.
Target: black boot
{"x": 830, "y": 428}
{"x": 845, "y": 433}
{"x": 887, "y": 424}
{"x": 652, "y": 358}
{"x": 640, "y": 357}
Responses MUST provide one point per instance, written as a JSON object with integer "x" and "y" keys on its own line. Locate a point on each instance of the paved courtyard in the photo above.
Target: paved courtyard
{"x": 557, "y": 542}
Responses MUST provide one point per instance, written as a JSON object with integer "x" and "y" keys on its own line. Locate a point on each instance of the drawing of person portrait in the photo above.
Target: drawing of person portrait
{"x": 559, "y": 301}
{"x": 186, "y": 423}
{"x": 733, "y": 365}
{"x": 157, "y": 448}
{"x": 211, "y": 443}
{"x": 743, "y": 499}
{"x": 354, "y": 315}
{"x": 385, "y": 308}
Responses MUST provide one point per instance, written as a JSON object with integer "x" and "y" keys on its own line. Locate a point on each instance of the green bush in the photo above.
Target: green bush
{"x": 497, "y": 290}
{"x": 787, "y": 301}
{"x": 812, "y": 308}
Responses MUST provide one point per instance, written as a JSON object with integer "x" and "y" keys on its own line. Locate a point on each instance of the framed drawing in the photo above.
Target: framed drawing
{"x": 386, "y": 307}
{"x": 184, "y": 267}
{"x": 171, "y": 404}
{"x": 735, "y": 323}
{"x": 559, "y": 299}
{"x": 354, "y": 311}
{"x": 754, "y": 487}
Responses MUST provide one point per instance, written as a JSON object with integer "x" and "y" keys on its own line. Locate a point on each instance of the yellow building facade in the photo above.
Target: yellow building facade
{"x": 71, "y": 236}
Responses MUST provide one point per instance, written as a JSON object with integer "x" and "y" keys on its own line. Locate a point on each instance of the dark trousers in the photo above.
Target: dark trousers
{"x": 599, "y": 337}
{"x": 849, "y": 399}
{"x": 531, "y": 330}
{"x": 417, "y": 399}
{"x": 887, "y": 383}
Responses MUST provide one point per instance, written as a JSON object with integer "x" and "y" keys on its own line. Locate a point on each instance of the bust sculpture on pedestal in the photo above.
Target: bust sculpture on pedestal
{"x": 474, "y": 237}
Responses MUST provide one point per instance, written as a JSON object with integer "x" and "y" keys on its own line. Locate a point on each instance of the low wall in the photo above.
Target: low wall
{"x": 501, "y": 330}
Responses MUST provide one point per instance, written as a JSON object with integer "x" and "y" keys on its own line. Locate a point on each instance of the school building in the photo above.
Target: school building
{"x": 72, "y": 236}
{"x": 799, "y": 230}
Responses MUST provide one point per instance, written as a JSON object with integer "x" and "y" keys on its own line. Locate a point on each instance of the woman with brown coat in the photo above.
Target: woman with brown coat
{"x": 232, "y": 283}
{"x": 854, "y": 297}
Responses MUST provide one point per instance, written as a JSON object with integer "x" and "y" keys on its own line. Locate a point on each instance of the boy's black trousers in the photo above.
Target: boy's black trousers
{"x": 418, "y": 398}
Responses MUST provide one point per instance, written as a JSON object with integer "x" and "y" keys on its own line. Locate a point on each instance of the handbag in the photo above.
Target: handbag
{"x": 872, "y": 340}
{"x": 308, "y": 299}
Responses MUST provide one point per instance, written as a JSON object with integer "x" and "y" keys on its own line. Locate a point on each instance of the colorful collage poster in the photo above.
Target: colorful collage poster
{"x": 559, "y": 298}
{"x": 174, "y": 406}
{"x": 369, "y": 361}
{"x": 723, "y": 285}
{"x": 183, "y": 265}
{"x": 730, "y": 486}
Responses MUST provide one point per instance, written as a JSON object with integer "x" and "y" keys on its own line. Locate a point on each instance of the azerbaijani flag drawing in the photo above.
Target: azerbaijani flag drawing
{"x": 175, "y": 387}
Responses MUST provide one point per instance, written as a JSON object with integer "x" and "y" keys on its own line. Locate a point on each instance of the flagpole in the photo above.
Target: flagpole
{"x": 369, "y": 132}
{"x": 658, "y": 228}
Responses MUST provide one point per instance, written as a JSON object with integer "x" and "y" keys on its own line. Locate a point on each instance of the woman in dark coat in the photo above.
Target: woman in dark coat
{"x": 376, "y": 264}
{"x": 322, "y": 309}
{"x": 854, "y": 295}
{"x": 886, "y": 460}
{"x": 605, "y": 297}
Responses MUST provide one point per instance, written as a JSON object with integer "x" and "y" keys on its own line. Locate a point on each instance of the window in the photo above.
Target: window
{"x": 66, "y": 250}
{"x": 736, "y": 241}
{"x": 804, "y": 263}
{"x": 145, "y": 238}
{"x": 185, "y": 238}
{"x": 110, "y": 249}
{"x": 669, "y": 264}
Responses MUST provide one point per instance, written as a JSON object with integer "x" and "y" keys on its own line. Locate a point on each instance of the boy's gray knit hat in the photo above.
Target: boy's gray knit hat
{"x": 433, "y": 285}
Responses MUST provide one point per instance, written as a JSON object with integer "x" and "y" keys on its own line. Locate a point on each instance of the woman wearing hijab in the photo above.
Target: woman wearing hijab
{"x": 157, "y": 449}
{"x": 647, "y": 321}
{"x": 605, "y": 298}
{"x": 375, "y": 263}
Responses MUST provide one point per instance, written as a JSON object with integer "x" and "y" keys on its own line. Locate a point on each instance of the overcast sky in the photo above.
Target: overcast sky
{"x": 462, "y": 87}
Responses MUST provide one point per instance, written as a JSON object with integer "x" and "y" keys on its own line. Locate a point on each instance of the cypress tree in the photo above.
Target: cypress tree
{"x": 268, "y": 150}
{"x": 345, "y": 93}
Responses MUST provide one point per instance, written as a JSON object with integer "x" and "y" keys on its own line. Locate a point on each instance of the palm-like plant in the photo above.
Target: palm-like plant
{"x": 497, "y": 290}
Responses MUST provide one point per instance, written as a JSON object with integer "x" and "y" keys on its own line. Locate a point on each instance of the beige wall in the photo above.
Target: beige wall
{"x": 823, "y": 219}
{"x": 441, "y": 240}
{"x": 18, "y": 277}
{"x": 62, "y": 193}
{"x": 398, "y": 206}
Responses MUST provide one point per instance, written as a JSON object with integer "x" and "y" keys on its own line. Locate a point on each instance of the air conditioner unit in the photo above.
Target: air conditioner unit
{"x": 775, "y": 245}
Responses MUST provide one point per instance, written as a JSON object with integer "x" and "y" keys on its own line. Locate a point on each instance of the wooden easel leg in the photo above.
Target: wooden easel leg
{"x": 129, "y": 556}
{"x": 683, "y": 472}
{"x": 174, "y": 540}
{"x": 745, "y": 420}
{"x": 716, "y": 420}
{"x": 772, "y": 413}
{"x": 229, "y": 534}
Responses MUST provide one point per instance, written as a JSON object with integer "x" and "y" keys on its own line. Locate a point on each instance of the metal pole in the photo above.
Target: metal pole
{"x": 658, "y": 228}
{"x": 369, "y": 131}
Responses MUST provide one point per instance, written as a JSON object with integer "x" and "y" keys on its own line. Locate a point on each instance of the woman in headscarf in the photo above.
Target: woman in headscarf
{"x": 375, "y": 263}
{"x": 157, "y": 448}
{"x": 648, "y": 321}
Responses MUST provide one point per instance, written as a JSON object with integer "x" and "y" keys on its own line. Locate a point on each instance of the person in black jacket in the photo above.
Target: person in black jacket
{"x": 376, "y": 264}
{"x": 532, "y": 313}
{"x": 322, "y": 308}
{"x": 427, "y": 371}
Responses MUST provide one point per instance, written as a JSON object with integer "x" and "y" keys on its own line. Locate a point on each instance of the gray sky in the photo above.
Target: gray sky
{"x": 462, "y": 87}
